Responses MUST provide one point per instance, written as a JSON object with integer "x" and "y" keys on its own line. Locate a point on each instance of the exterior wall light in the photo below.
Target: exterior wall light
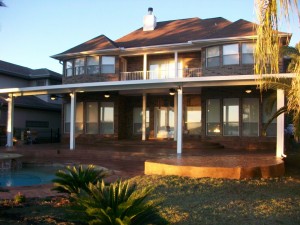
{"x": 172, "y": 91}
{"x": 106, "y": 94}
{"x": 53, "y": 97}
{"x": 248, "y": 91}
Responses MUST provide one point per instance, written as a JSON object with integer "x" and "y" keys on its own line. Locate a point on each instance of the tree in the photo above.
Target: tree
{"x": 267, "y": 51}
{"x": 2, "y": 4}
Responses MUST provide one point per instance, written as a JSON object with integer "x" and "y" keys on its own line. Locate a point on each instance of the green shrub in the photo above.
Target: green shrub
{"x": 74, "y": 179}
{"x": 19, "y": 198}
{"x": 119, "y": 204}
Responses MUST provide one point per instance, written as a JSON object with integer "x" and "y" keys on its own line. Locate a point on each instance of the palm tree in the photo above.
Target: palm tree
{"x": 120, "y": 204}
{"x": 267, "y": 52}
{"x": 2, "y": 4}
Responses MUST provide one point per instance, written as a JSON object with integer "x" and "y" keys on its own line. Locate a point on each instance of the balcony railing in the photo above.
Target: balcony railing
{"x": 161, "y": 74}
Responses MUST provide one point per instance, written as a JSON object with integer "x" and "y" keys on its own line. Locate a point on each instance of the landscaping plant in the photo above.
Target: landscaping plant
{"x": 119, "y": 204}
{"x": 74, "y": 179}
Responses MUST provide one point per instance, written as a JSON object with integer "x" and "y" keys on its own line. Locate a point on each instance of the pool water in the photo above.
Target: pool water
{"x": 28, "y": 176}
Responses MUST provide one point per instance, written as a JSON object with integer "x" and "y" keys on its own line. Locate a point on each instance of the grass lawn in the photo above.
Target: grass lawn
{"x": 189, "y": 201}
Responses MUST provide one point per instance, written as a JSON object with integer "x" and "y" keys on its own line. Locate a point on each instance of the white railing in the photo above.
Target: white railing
{"x": 161, "y": 74}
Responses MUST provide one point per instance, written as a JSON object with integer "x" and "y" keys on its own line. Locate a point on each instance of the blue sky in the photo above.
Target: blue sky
{"x": 33, "y": 30}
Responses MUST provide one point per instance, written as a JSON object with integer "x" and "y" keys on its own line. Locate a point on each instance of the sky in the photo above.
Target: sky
{"x": 33, "y": 30}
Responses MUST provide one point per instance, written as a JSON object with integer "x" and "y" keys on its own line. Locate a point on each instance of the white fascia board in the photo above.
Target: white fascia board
{"x": 233, "y": 80}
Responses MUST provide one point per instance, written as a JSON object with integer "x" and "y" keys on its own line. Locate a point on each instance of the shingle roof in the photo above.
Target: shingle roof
{"x": 33, "y": 102}
{"x": 27, "y": 73}
{"x": 170, "y": 32}
{"x": 98, "y": 43}
{"x": 175, "y": 31}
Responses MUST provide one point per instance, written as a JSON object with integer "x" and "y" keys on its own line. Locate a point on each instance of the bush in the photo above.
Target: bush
{"x": 19, "y": 198}
{"x": 74, "y": 179}
{"x": 119, "y": 203}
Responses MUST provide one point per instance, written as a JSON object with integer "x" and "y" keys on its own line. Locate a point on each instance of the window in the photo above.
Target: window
{"x": 267, "y": 113}
{"x": 247, "y": 53}
{"x": 230, "y": 54}
{"x": 93, "y": 65}
{"x": 164, "y": 69}
{"x": 40, "y": 82}
{"x": 91, "y": 118}
{"x": 138, "y": 120}
{"x": 107, "y": 118}
{"x": 250, "y": 117}
{"x": 67, "y": 113}
{"x": 79, "y": 117}
{"x": 79, "y": 66}
{"x": 212, "y": 56}
{"x": 213, "y": 121}
{"x": 193, "y": 120}
{"x": 108, "y": 64}
{"x": 69, "y": 68}
{"x": 231, "y": 117}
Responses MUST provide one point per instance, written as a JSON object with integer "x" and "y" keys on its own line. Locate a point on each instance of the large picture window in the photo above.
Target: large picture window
{"x": 193, "y": 120}
{"x": 78, "y": 120}
{"x": 91, "y": 118}
{"x": 212, "y": 56}
{"x": 92, "y": 65}
{"x": 79, "y": 66}
{"x": 250, "y": 117}
{"x": 213, "y": 120}
{"x": 138, "y": 120}
{"x": 247, "y": 53}
{"x": 230, "y": 54}
{"x": 267, "y": 113}
{"x": 231, "y": 117}
{"x": 69, "y": 68}
{"x": 108, "y": 64}
{"x": 107, "y": 118}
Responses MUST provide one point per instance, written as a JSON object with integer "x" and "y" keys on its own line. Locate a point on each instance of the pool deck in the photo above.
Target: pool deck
{"x": 127, "y": 159}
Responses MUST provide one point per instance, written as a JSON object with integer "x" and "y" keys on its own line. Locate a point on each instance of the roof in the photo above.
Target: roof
{"x": 27, "y": 73}
{"x": 169, "y": 32}
{"x": 98, "y": 43}
{"x": 174, "y": 31}
{"x": 33, "y": 102}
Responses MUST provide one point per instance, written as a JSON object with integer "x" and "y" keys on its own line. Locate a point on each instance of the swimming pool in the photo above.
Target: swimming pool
{"x": 28, "y": 176}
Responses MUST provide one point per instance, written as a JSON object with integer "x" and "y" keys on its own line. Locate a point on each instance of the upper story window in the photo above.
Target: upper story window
{"x": 40, "y": 82}
{"x": 92, "y": 65}
{"x": 213, "y": 56}
{"x": 247, "y": 53}
{"x": 79, "y": 66}
{"x": 69, "y": 68}
{"x": 230, "y": 54}
{"x": 108, "y": 64}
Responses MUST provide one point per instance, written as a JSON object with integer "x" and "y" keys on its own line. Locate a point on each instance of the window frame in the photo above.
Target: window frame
{"x": 102, "y": 65}
{"x": 231, "y": 54}
{"x": 247, "y": 53}
{"x": 67, "y": 74}
{"x": 217, "y": 56}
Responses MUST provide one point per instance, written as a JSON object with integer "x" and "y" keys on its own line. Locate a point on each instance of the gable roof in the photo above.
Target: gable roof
{"x": 174, "y": 31}
{"x": 27, "y": 73}
{"x": 98, "y": 43}
{"x": 180, "y": 31}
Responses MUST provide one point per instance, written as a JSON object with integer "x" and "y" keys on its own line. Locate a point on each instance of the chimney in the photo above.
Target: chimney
{"x": 149, "y": 21}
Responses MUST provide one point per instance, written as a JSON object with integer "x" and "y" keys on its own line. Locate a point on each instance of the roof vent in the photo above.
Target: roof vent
{"x": 149, "y": 21}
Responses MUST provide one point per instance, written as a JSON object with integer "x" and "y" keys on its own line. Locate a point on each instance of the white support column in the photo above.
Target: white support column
{"x": 179, "y": 121}
{"x": 145, "y": 67}
{"x": 175, "y": 116}
{"x": 72, "y": 120}
{"x": 10, "y": 121}
{"x": 144, "y": 116}
{"x": 280, "y": 125}
{"x": 176, "y": 64}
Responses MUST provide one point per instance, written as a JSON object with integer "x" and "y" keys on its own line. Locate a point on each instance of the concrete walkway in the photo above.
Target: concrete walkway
{"x": 125, "y": 158}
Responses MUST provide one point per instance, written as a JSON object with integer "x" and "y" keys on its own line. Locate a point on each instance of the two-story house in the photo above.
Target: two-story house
{"x": 180, "y": 79}
{"x": 37, "y": 113}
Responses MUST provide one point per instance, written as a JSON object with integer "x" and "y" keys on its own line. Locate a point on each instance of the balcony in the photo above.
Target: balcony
{"x": 161, "y": 74}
